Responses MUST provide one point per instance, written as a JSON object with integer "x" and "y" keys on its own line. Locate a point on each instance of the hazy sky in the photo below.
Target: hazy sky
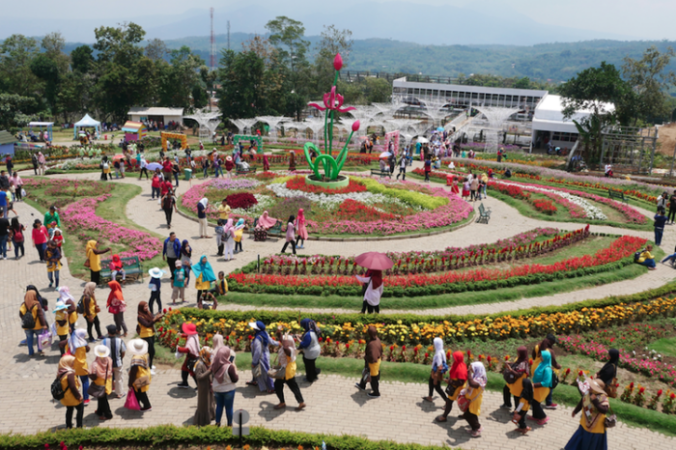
{"x": 644, "y": 19}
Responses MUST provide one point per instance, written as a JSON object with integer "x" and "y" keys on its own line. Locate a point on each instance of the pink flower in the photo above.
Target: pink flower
{"x": 355, "y": 126}
{"x": 332, "y": 101}
{"x": 337, "y": 62}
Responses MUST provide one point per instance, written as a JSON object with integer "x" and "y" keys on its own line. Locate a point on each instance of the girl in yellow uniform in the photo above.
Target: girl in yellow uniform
{"x": 475, "y": 394}
{"x": 591, "y": 434}
{"x": 91, "y": 311}
{"x": 522, "y": 406}
{"x": 62, "y": 325}
{"x": 102, "y": 375}
{"x": 139, "y": 374}
{"x": 53, "y": 257}
{"x": 542, "y": 383}
{"x": 520, "y": 370}
{"x": 204, "y": 275}
{"x": 70, "y": 384}
{"x": 457, "y": 379}
{"x": 77, "y": 346}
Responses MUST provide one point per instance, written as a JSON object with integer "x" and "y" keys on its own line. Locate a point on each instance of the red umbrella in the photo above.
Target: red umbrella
{"x": 118, "y": 156}
{"x": 374, "y": 260}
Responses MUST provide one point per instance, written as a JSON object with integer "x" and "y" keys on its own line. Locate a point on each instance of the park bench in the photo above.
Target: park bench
{"x": 275, "y": 230}
{"x": 381, "y": 173}
{"x": 245, "y": 171}
{"x": 132, "y": 269}
{"x": 615, "y": 195}
{"x": 484, "y": 214}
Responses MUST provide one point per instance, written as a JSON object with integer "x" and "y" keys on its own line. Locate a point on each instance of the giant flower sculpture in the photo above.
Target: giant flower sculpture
{"x": 333, "y": 103}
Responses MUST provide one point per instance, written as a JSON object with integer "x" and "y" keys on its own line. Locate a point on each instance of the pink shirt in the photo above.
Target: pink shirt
{"x": 39, "y": 235}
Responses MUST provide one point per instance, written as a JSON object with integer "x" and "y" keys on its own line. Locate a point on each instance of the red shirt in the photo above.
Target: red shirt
{"x": 164, "y": 188}
{"x": 167, "y": 165}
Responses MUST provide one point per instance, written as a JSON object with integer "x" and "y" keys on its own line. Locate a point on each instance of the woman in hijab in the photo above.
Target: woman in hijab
{"x": 77, "y": 346}
{"x": 186, "y": 254}
{"x": 519, "y": 370}
{"x": 229, "y": 238}
{"x": 217, "y": 342}
{"x": 239, "y": 233}
{"x": 477, "y": 383}
{"x": 202, "y": 216}
{"x": 373, "y": 280}
{"x": 265, "y": 221}
{"x": 67, "y": 298}
{"x": 32, "y": 305}
{"x": 522, "y": 405}
{"x": 146, "y": 329}
{"x": 608, "y": 374}
{"x": 53, "y": 257}
{"x": 192, "y": 353}
{"x": 457, "y": 378}
{"x": 591, "y": 434}
{"x": 301, "y": 228}
{"x": 204, "y": 275}
{"x": 260, "y": 356}
{"x": 116, "y": 267}
{"x": 139, "y": 372}
{"x": 70, "y": 384}
{"x": 309, "y": 345}
{"x": 117, "y": 306}
{"x": 205, "y": 399}
{"x": 542, "y": 383}
{"x": 372, "y": 359}
{"x": 225, "y": 378}
{"x": 439, "y": 368}
{"x": 102, "y": 375}
{"x": 287, "y": 359}
{"x": 91, "y": 311}
{"x": 290, "y": 235}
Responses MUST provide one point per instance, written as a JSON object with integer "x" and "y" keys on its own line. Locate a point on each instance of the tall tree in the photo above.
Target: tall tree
{"x": 241, "y": 76}
{"x": 651, "y": 81}
{"x": 333, "y": 41}
{"x": 156, "y": 49}
{"x": 82, "y": 59}
{"x": 603, "y": 92}
{"x": 16, "y": 54}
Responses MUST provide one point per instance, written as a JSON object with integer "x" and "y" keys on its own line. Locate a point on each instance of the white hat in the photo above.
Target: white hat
{"x": 102, "y": 351}
{"x": 253, "y": 325}
{"x": 138, "y": 347}
{"x": 156, "y": 272}
{"x": 179, "y": 263}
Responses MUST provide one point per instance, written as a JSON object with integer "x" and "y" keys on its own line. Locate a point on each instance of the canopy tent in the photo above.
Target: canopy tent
{"x": 87, "y": 121}
{"x": 133, "y": 131}
{"x": 41, "y": 125}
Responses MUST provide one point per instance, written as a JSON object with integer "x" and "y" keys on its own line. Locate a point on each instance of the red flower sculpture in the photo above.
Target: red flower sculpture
{"x": 332, "y": 101}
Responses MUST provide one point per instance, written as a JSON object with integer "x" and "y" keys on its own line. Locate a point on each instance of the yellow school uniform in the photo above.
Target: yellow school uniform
{"x": 238, "y": 235}
{"x": 92, "y": 308}
{"x": 516, "y": 387}
{"x": 540, "y": 394}
{"x": 143, "y": 372}
{"x": 145, "y": 332}
{"x": 72, "y": 317}
{"x": 475, "y": 398}
{"x": 202, "y": 285}
{"x": 108, "y": 382}
{"x": 374, "y": 368}
{"x": 457, "y": 392}
{"x": 62, "y": 330}
{"x": 598, "y": 426}
{"x": 34, "y": 312}
{"x": 69, "y": 398}
{"x": 81, "y": 367}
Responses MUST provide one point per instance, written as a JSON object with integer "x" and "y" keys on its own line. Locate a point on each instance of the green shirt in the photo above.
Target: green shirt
{"x": 49, "y": 218}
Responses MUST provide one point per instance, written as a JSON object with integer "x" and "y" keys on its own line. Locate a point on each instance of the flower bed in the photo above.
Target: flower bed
{"x": 544, "y": 206}
{"x": 298, "y": 184}
{"x": 619, "y": 253}
{"x": 241, "y": 200}
{"x": 383, "y": 208}
{"x": 80, "y": 219}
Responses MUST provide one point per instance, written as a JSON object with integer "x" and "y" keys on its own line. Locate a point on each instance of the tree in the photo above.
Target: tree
{"x": 651, "y": 82}
{"x": 16, "y": 110}
{"x": 47, "y": 70}
{"x": 156, "y": 50}
{"x": 333, "y": 41}
{"x": 82, "y": 59}
{"x": 76, "y": 91}
{"x": 180, "y": 79}
{"x": 241, "y": 76}
{"x": 603, "y": 92}
{"x": 16, "y": 54}
{"x": 54, "y": 43}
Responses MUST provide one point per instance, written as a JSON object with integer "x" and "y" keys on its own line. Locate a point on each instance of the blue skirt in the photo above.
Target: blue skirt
{"x": 584, "y": 440}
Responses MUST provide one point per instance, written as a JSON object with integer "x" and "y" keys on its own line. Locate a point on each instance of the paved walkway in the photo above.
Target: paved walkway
{"x": 334, "y": 405}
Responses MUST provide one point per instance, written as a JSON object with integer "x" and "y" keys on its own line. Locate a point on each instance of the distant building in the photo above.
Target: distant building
{"x": 7, "y": 141}
{"x": 155, "y": 113}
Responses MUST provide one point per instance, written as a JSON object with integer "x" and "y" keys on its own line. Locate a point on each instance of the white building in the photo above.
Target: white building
{"x": 157, "y": 114}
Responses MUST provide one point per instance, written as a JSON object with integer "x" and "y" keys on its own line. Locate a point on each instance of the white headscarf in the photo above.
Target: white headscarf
{"x": 63, "y": 240}
{"x": 439, "y": 355}
{"x": 64, "y": 294}
{"x": 204, "y": 202}
{"x": 193, "y": 344}
{"x": 77, "y": 339}
{"x": 479, "y": 373}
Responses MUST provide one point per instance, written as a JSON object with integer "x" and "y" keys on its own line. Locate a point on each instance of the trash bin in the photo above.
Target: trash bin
{"x": 188, "y": 174}
{"x": 449, "y": 179}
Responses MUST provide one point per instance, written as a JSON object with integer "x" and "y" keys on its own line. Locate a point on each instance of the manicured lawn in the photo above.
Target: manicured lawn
{"x": 666, "y": 347}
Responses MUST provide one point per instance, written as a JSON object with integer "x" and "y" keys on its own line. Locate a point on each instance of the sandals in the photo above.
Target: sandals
{"x": 428, "y": 399}
{"x": 441, "y": 419}
{"x": 524, "y": 430}
{"x": 280, "y": 406}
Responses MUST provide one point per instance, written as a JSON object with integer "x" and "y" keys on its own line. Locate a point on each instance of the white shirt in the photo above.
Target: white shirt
{"x": 372, "y": 296}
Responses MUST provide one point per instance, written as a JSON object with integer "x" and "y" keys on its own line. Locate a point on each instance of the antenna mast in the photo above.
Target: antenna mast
{"x": 212, "y": 49}
{"x": 228, "y": 35}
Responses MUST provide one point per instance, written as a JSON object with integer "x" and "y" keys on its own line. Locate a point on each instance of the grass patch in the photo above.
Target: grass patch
{"x": 440, "y": 301}
{"x": 666, "y": 346}
{"x": 112, "y": 209}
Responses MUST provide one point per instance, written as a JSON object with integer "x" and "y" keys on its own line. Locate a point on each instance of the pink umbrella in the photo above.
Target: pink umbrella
{"x": 374, "y": 260}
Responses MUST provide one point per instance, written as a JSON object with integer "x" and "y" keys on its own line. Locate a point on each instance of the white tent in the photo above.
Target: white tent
{"x": 86, "y": 121}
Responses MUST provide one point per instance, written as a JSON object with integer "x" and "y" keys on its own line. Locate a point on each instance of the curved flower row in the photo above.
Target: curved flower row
{"x": 621, "y": 248}
{"x": 81, "y": 216}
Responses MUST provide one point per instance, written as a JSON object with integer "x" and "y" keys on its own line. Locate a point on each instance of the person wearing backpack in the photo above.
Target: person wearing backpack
{"x": 168, "y": 205}
{"x": 17, "y": 234}
{"x": 32, "y": 319}
{"x": 117, "y": 352}
{"x": 67, "y": 387}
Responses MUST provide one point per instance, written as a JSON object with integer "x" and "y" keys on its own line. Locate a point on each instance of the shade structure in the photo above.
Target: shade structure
{"x": 423, "y": 140}
{"x": 86, "y": 121}
{"x": 374, "y": 260}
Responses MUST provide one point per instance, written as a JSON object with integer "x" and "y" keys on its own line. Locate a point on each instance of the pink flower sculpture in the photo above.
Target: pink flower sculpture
{"x": 338, "y": 62}
{"x": 332, "y": 101}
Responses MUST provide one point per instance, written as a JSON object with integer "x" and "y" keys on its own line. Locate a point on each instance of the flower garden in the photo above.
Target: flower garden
{"x": 364, "y": 206}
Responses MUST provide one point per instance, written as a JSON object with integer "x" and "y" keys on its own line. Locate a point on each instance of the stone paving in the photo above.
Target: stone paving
{"x": 334, "y": 405}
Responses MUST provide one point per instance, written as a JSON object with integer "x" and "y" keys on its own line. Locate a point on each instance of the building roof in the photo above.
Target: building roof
{"x": 40, "y": 124}
{"x": 132, "y": 127}
{"x": 155, "y": 111}
{"x": 548, "y": 115}
{"x": 7, "y": 138}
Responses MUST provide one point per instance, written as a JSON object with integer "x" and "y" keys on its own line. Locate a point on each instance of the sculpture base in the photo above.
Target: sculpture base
{"x": 340, "y": 182}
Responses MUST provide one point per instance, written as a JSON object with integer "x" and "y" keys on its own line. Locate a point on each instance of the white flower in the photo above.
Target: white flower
{"x": 591, "y": 211}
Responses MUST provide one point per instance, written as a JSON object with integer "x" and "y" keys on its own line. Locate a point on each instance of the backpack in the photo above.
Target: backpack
{"x": 80, "y": 305}
{"x": 27, "y": 320}
{"x": 18, "y": 236}
{"x": 555, "y": 380}
{"x": 637, "y": 255}
{"x": 58, "y": 392}
{"x": 167, "y": 202}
